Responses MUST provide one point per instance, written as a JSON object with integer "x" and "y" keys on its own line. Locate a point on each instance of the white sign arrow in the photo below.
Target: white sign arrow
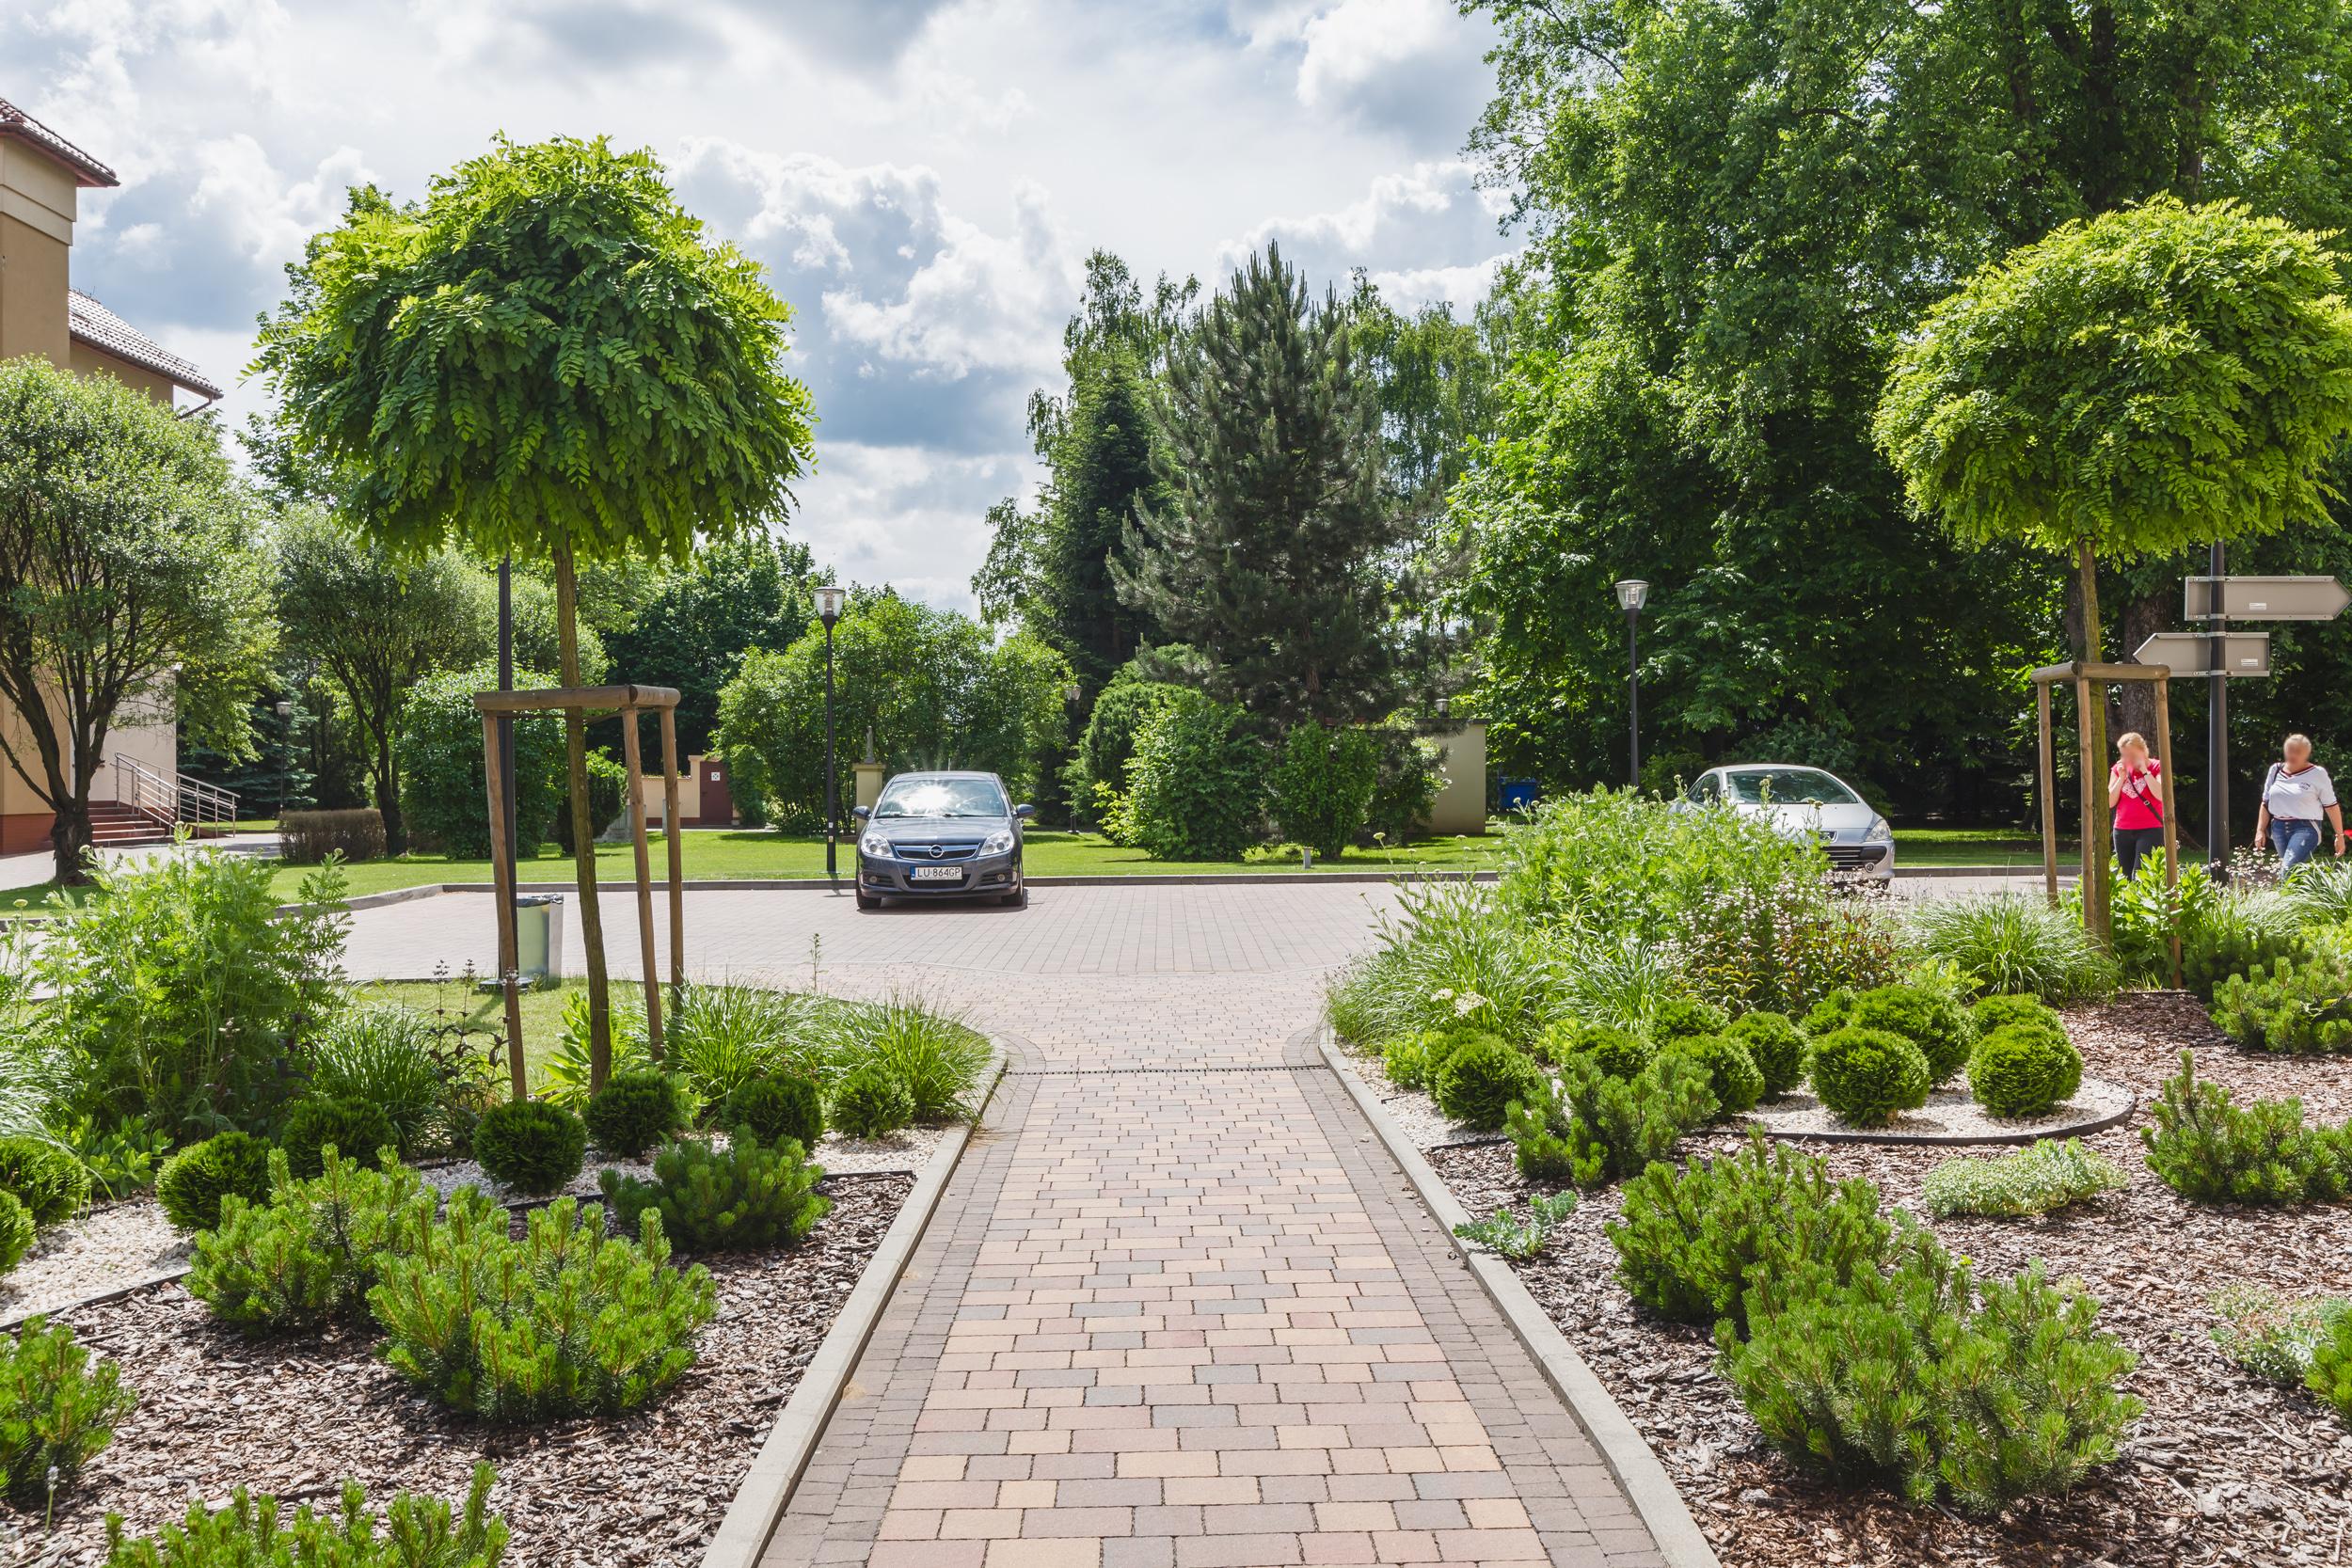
{"x": 2265, "y": 599}
{"x": 2191, "y": 653}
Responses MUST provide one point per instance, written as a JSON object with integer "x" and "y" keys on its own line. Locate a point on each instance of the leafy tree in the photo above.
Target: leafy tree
{"x": 1268, "y": 564}
{"x": 1197, "y": 778}
{"x": 695, "y": 625}
{"x": 2131, "y": 385}
{"x": 1109, "y": 738}
{"x": 441, "y": 765}
{"x": 930, "y": 684}
{"x": 544, "y": 358}
{"x": 129, "y": 585}
{"x": 378, "y": 625}
{"x": 1321, "y": 787}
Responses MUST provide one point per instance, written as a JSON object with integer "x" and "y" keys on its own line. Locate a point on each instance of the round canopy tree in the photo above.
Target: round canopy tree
{"x": 543, "y": 357}
{"x": 2149, "y": 380}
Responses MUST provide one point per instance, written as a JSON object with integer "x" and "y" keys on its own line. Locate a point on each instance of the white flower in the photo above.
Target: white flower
{"x": 1467, "y": 1004}
{"x": 1444, "y": 993}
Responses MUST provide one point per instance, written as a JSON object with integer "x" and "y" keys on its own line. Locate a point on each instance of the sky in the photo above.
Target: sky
{"x": 922, "y": 178}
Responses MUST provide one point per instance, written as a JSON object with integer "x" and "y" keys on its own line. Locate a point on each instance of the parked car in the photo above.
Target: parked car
{"x": 940, "y": 835}
{"x": 1808, "y": 803}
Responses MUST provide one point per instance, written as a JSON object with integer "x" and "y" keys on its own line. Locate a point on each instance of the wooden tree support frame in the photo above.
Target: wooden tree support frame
{"x": 2087, "y": 678}
{"x": 626, "y": 703}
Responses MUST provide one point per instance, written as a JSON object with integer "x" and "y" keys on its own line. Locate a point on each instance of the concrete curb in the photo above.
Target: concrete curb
{"x": 766, "y": 1487}
{"x": 1622, "y": 1448}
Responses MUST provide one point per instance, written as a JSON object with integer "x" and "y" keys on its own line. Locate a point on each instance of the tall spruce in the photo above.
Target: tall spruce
{"x": 1101, "y": 462}
{"x": 1268, "y": 564}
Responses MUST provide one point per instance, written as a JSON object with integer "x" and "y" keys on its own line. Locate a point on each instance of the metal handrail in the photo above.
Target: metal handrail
{"x": 172, "y": 800}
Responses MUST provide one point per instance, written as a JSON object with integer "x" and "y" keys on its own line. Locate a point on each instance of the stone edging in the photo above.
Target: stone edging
{"x": 1622, "y": 1448}
{"x": 766, "y": 1487}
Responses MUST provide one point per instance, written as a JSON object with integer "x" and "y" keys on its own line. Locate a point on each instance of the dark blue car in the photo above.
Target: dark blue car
{"x": 940, "y": 835}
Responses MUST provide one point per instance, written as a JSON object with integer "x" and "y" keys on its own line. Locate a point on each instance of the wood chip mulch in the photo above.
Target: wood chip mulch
{"x": 2223, "y": 1469}
{"x": 292, "y": 1417}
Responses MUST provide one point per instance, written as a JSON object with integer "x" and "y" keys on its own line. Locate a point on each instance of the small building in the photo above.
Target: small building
{"x": 139, "y": 793}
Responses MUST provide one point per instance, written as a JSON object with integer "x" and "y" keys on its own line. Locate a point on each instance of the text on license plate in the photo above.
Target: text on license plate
{"x": 937, "y": 874}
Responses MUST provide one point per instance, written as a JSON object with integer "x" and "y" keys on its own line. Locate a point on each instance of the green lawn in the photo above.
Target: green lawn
{"x": 1971, "y": 846}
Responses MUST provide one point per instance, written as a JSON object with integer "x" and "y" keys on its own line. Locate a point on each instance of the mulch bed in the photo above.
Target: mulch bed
{"x": 2224, "y": 1468}
{"x": 292, "y": 1417}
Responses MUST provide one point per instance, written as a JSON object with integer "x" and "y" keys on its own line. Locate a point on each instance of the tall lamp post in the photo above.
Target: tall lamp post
{"x": 829, "y": 611}
{"x": 1632, "y": 594}
{"x": 285, "y": 753}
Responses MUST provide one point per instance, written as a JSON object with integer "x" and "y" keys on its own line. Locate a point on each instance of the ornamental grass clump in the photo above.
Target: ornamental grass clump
{"x": 1775, "y": 1045}
{"x": 308, "y": 1256}
{"x": 2038, "y": 1179}
{"x": 56, "y": 1411}
{"x": 1591, "y": 1128}
{"x": 1448, "y": 955}
{"x": 254, "y": 1533}
{"x": 1868, "y": 1077}
{"x": 530, "y": 1147}
{"x": 385, "y": 1057}
{"x": 748, "y": 1194}
{"x": 1481, "y": 1079}
{"x": 194, "y": 1182}
{"x": 2210, "y": 1150}
{"x": 2023, "y": 1070}
{"x": 1707, "y": 1243}
{"x": 635, "y": 1111}
{"x": 938, "y": 1059}
{"x": 2012, "y": 946}
{"x": 565, "y": 1321}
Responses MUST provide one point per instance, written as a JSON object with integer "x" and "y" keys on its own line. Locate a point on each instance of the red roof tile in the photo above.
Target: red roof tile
{"x": 87, "y": 171}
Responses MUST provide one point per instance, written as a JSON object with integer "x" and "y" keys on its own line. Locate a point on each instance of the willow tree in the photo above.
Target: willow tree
{"x": 543, "y": 357}
{"x": 2150, "y": 380}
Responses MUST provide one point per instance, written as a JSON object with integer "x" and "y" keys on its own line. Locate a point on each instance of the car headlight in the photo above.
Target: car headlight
{"x": 997, "y": 843}
{"x": 1880, "y": 833}
{"x": 873, "y": 844}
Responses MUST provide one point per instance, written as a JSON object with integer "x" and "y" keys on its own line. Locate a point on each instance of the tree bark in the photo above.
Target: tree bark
{"x": 2097, "y": 830}
{"x": 583, "y": 828}
{"x": 2135, "y": 702}
{"x": 387, "y": 794}
{"x": 70, "y": 839}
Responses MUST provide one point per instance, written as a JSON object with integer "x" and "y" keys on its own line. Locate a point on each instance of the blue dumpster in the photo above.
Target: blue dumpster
{"x": 1520, "y": 795}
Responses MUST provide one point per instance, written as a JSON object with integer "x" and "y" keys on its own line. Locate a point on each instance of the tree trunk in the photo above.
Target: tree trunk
{"x": 2098, "y": 829}
{"x": 69, "y": 838}
{"x": 583, "y": 828}
{"x": 2135, "y": 702}
{"x": 388, "y": 796}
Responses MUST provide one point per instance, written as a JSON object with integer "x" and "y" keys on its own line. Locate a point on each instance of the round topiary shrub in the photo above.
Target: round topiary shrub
{"x": 1831, "y": 1011}
{"x": 1868, "y": 1076}
{"x": 358, "y": 1128}
{"x": 529, "y": 1146}
{"x": 1618, "y": 1052}
{"x": 1776, "y": 1045}
{"x": 16, "y": 1231}
{"x": 870, "y": 1102}
{"x": 1938, "y": 1025}
{"x": 50, "y": 1182}
{"x": 1479, "y": 1081}
{"x": 193, "y": 1181}
{"x": 787, "y": 1106}
{"x": 1682, "y": 1017}
{"x": 1999, "y": 1012}
{"x": 1731, "y": 1073}
{"x": 635, "y": 1111}
{"x": 2023, "y": 1070}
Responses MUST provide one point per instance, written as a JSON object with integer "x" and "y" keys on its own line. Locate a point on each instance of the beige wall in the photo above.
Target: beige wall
{"x": 690, "y": 790}
{"x": 1461, "y": 805}
{"x": 87, "y": 359}
{"x": 36, "y": 208}
{"x": 144, "y": 733}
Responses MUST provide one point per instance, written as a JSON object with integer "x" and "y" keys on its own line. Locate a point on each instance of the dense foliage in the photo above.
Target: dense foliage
{"x": 2211, "y": 1149}
{"x": 2023, "y": 1070}
{"x": 785, "y": 1107}
{"x": 1589, "y": 1127}
{"x": 308, "y": 1256}
{"x": 1479, "y": 1079}
{"x": 416, "y": 1532}
{"x": 56, "y": 1411}
{"x": 1320, "y": 786}
{"x": 194, "y": 1180}
{"x": 530, "y": 1146}
{"x": 2291, "y": 1005}
{"x": 634, "y": 1111}
{"x": 1868, "y": 1077}
{"x": 318, "y": 1122}
{"x": 48, "y": 1180}
{"x": 1197, "y": 780}
{"x": 750, "y": 1194}
{"x": 444, "y": 779}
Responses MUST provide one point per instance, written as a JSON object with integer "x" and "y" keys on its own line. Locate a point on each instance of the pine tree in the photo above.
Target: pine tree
{"x": 1101, "y": 466}
{"x": 1268, "y": 563}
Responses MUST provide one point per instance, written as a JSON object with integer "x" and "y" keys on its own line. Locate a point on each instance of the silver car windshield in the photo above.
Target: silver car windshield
{"x": 1788, "y": 786}
{"x": 941, "y": 797}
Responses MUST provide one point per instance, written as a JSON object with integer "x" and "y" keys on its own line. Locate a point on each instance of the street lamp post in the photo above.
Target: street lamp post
{"x": 285, "y": 752}
{"x": 1632, "y": 592}
{"x": 829, "y": 611}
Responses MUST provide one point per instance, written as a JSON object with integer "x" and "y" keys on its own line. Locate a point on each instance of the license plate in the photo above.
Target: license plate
{"x": 937, "y": 874}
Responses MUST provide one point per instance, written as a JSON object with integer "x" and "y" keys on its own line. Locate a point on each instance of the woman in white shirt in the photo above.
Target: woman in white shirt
{"x": 2296, "y": 794}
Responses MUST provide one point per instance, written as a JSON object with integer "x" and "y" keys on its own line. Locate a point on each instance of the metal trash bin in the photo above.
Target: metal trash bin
{"x": 539, "y": 938}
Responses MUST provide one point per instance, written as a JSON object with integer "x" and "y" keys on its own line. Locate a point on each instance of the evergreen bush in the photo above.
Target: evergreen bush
{"x": 2331, "y": 1373}
{"x": 1320, "y": 787}
{"x": 57, "y": 1410}
{"x": 1867, "y": 1077}
{"x": 1832, "y": 1013}
{"x": 48, "y": 1180}
{"x": 316, "y": 1123}
{"x": 2002, "y": 1012}
{"x": 1692, "y": 1244}
{"x": 1481, "y": 1079}
{"x": 442, "y": 786}
{"x": 194, "y": 1181}
{"x": 1592, "y": 1126}
{"x": 1687, "y": 1017}
{"x": 1776, "y": 1046}
{"x": 16, "y": 1231}
{"x": 308, "y": 1256}
{"x": 2023, "y": 1070}
{"x": 786, "y": 1105}
{"x": 2293, "y": 1007}
{"x": 255, "y": 1532}
{"x": 1929, "y": 1018}
{"x": 870, "y": 1102}
{"x": 1618, "y": 1052}
{"x": 752, "y": 1194}
{"x": 2210, "y": 1150}
{"x": 635, "y": 1111}
{"x": 2035, "y": 1179}
{"x": 1733, "y": 1077}
{"x": 530, "y": 1147}
{"x": 565, "y": 1321}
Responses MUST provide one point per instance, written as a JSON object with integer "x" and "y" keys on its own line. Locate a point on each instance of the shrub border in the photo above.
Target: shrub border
{"x": 1629, "y": 1459}
{"x": 766, "y": 1487}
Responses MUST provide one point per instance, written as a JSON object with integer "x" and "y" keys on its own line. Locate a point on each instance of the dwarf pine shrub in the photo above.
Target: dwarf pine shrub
{"x": 57, "y": 1410}
{"x": 2329, "y": 1375}
{"x": 254, "y": 1533}
{"x": 565, "y": 1321}
{"x": 2293, "y": 1006}
{"x": 1592, "y": 1128}
{"x": 308, "y": 1256}
{"x": 2035, "y": 1179}
{"x": 748, "y": 1194}
{"x": 2210, "y": 1150}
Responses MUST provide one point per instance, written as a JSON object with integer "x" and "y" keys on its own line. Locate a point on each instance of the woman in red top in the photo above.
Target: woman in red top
{"x": 2137, "y": 794}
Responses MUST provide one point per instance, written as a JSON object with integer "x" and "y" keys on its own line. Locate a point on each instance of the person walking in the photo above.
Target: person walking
{"x": 2297, "y": 795}
{"x": 2135, "y": 795}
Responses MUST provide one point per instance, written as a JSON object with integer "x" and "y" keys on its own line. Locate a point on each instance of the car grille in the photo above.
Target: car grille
{"x": 1854, "y": 857}
{"x": 920, "y": 848}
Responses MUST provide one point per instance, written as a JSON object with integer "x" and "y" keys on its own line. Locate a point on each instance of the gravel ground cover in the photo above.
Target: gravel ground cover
{"x": 1950, "y": 1116}
{"x": 2224, "y": 1469}
{"x": 294, "y": 1417}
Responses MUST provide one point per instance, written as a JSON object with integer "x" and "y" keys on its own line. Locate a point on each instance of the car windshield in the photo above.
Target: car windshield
{"x": 1788, "y": 786}
{"x": 941, "y": 797}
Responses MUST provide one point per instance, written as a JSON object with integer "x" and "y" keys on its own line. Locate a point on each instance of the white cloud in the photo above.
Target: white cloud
{"x": 1354, "y": 48}
{"x": 907, "y": 515}
{"x": 1425, "y": 234}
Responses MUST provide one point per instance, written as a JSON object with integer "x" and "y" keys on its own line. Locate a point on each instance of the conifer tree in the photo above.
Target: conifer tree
{"x": 1267, "y": 564}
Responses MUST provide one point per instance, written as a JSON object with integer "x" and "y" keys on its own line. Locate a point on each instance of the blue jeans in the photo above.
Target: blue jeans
{"x": 2295, "y": 840}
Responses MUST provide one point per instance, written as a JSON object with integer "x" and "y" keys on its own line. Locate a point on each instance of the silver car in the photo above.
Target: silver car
{"x": 1808, "y": 802}
{"x": 940, "y": 835}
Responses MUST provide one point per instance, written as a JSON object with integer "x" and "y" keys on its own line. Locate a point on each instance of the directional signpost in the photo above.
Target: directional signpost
{"x": 2191, "y": 653}
{"x": 2265, "y": 599}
